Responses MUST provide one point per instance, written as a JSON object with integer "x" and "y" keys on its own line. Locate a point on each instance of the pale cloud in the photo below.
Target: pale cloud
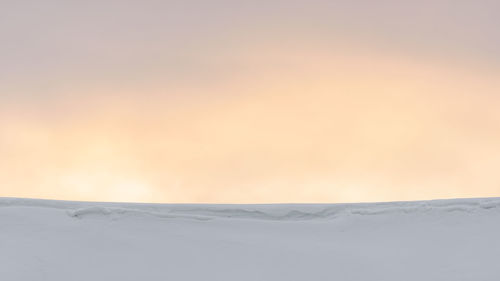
{"x": 310, "y": 101}
{"x": 357, "y": 128}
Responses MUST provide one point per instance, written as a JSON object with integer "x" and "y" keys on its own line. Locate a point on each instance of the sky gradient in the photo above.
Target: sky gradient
{"x": 249, "y": 101}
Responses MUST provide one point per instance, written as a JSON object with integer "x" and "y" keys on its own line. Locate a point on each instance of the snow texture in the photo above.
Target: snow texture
{"x": 423, "y": 240}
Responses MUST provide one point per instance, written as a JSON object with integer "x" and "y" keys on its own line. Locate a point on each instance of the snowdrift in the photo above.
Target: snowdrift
{"x": 423, "y": 240}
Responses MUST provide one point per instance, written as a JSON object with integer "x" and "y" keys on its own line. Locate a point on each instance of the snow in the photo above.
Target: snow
{"x": 423, "y": 240}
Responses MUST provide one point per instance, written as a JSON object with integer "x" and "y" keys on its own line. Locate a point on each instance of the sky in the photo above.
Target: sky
{"x": 249, "y": 101}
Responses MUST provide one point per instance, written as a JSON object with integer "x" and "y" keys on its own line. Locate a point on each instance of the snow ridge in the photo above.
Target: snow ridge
{"x": 260, "y": 212}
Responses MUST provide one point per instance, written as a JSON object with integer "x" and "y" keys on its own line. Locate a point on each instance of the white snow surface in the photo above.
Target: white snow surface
{"x": 423, "y": 240}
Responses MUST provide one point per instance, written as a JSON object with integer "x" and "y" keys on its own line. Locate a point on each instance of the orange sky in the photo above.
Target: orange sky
{"x": 291, "y": 108}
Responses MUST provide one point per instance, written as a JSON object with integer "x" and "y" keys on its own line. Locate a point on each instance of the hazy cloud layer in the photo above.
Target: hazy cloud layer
{"x": 268, "y": 101}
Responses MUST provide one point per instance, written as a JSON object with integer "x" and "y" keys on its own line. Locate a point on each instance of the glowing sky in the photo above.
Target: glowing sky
{"x": 249, "y": 101}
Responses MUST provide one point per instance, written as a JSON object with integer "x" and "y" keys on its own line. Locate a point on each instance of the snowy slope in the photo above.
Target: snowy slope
{"x": 427, "y": 240}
